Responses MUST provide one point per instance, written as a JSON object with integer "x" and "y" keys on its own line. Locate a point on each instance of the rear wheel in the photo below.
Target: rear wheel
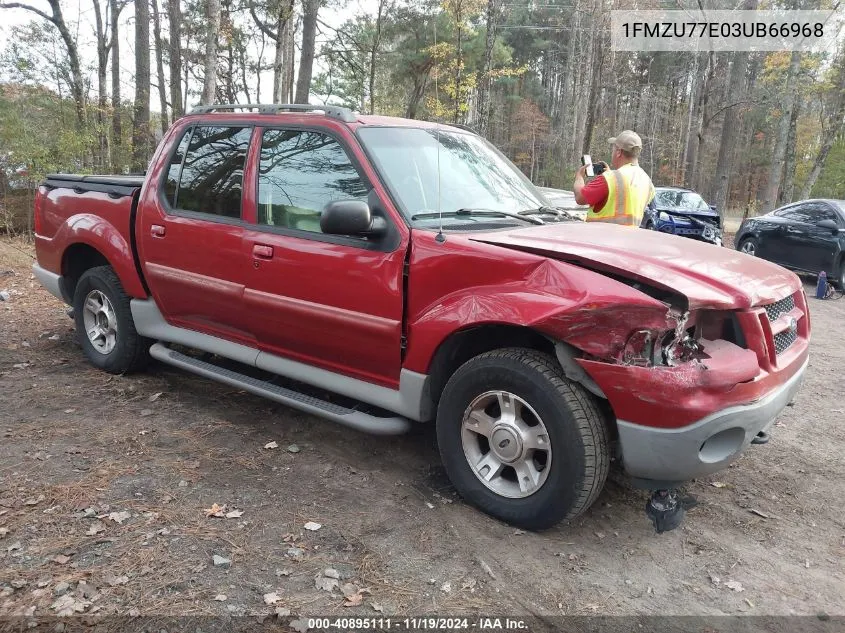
{"x": 104, "y": 322}
{"x": 749, "y": 246}
{"x": 840, "y": 275}
{"x": 521, "y": 442}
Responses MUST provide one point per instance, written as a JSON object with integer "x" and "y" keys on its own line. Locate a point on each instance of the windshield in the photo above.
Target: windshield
{"x": 473, "y": 174}
{"x": 680, "y": 200}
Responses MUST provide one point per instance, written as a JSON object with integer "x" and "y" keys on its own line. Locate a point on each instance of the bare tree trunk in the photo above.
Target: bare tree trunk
{"x": 597, "y": 57}
{"x": 788, "y": 188}
{"x": 212, "y": 16}
{"x": 306, "y": 60}
{"x": 116, "y": 126}
{"x": 174, "y": 17}
{"x": 776, "y": 169}
{"x": 77, "y": 84}
{"x": 459, "y": 60}
{"x": 484, "y": 86}
{"x": 290, "y": 54}
{"x": 141, "y": 121}
{"x": 374, "y": 53}
{"x": 162, "y": 88}
{"x": 102, "y": 69}
{"x": 834, "y": 128}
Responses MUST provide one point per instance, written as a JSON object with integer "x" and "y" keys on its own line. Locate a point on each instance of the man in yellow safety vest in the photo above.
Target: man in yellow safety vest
{"x": 617, "y": 195}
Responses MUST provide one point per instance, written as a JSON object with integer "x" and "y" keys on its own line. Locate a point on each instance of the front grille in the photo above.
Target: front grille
{"x": 784, "y": 340}
{"x": 774, "y": 310}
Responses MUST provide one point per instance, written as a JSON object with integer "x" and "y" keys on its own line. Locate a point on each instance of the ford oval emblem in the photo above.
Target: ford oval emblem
{"x": 793, "y": 325}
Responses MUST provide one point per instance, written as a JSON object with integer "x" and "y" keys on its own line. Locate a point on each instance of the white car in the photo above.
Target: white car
{"x": 563, "y": 199}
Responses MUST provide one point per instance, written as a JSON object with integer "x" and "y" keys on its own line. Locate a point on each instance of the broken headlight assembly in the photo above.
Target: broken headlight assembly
{"x": 649, "y": 348}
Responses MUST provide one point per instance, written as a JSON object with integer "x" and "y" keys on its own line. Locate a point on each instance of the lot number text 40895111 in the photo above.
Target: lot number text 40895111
{"x": 418, "y": 624}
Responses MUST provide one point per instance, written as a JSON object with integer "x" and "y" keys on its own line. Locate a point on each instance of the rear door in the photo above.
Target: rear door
{"x": 190, "y": 233}
{"x": 327, "y": 300}
{"x": 820, "y": 246}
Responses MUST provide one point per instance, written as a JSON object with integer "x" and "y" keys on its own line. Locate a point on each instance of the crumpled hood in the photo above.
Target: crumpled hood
{"x": 708, "y": 276}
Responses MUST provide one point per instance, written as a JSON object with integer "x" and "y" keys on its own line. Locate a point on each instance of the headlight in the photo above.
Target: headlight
{"x": 664, "y": 216}
{"x": 648, "y": 348}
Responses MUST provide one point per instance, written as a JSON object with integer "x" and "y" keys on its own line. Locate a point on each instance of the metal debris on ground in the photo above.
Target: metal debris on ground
{"x": 273, "y": 444}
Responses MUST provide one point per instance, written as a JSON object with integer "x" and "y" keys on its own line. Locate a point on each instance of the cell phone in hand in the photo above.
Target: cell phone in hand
{"x": 586, "y": 160}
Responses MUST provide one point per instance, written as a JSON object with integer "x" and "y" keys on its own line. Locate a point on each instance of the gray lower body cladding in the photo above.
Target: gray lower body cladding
{"x": 707, "y": 446}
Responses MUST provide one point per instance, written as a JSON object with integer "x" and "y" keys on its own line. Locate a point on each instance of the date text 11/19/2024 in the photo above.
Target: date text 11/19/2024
{"x": 417, "y": 624}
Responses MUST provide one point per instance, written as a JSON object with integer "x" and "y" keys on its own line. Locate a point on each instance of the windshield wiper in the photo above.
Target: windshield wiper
{"x": 491, "y": 213}
{"x": 558, "y": 212}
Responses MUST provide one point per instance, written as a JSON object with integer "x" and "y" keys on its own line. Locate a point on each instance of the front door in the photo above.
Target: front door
{"x": 331, "y": 301}
{"x": 191, "y": 237}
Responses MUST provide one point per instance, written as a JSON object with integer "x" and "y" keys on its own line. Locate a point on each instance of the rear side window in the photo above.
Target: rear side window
{"x": 210, "y": 176}
{"x": 298, "y": 174}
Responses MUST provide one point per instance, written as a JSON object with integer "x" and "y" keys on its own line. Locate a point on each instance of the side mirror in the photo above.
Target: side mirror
{"x": 828, "y": 224}
{"x": 712, "y": 207}
{"x": 350, "y": 217}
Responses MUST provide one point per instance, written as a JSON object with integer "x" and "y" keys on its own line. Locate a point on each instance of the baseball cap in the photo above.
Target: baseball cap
{"x": 627, "y": 140}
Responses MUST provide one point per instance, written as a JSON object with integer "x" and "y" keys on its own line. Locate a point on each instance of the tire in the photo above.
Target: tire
{"x": 570, "y": 471}
{"x": 839, "y": 282}
{"x": 116, "y": 347}
{"x": 749, "y": 246}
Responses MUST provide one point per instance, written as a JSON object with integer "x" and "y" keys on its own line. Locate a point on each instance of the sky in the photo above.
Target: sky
{"x": 79, "y": 15}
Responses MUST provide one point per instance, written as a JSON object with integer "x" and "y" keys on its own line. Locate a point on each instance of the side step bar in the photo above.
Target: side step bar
{"x": 335, "y": 412}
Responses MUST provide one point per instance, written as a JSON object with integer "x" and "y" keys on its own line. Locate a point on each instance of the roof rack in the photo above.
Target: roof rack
{"x": 337, "y": 112}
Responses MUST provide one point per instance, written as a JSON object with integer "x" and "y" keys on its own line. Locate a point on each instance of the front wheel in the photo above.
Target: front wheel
{"x": 749, "y": 246}
{"x": 520, "y": 441}
{"x": 104, "y": 322}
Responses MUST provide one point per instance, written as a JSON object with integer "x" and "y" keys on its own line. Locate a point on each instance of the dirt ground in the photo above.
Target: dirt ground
{"x": 105, "y": 481}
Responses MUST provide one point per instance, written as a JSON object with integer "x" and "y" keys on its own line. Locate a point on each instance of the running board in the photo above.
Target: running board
{"x": 335, "y": 412}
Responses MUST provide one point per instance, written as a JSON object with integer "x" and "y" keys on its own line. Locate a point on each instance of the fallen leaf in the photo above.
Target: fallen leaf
{"x": 331, "y": 573}
{"x": 735, "y": 585}
{"x": 221, "y": 597}
{"x": 518, "y": 532}
{"x": 234, "y": 514}
{"x": 376, "y": 606}
{"x": 312, "y": 526}
{"x": 293, "y": 448}
{"x": 354, "y": 601}
{"x": 3, "y": 531}
{"x": 216, "y": 511}
{"x": 271, "y": 598}
{"x": 300, "y": 626}
{"x": 146, "y": 412}
{"x": 114, "y": 581}
{"x": 446, "y": 587}
{"x": 61, "y": 559}
{"x": 715, "y": 579}
{"x": 271, "y": 445}
{"x": 119, "y": 517}
{"x": 718, "y": 484}
{"x": 34, "y": 501}
{"x": 430, "y": 505}
{"x": 349, "y": 590}
{"x": 155, "y": 396}
{"x": 599, "y": 534}
{"x": 282, "y": 612}
{"x": 326, "y": 584}
{"x": 67, "y": 605}
{"x": 70, "y": 410}
{"x": 95, "y": 529}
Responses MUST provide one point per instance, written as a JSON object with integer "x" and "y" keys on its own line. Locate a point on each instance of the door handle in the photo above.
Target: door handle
{"x": 262, "y": 251}
{"x": 157, "y": 230}
{"x": 792, "y": 229}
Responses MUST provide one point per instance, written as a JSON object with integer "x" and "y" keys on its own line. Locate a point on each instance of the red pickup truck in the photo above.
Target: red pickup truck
{"x": 380, "y": 271}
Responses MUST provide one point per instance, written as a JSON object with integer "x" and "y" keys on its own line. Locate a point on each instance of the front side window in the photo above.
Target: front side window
{"x": 299, "y": 173}
{"x": 445, "y": 170}
{"x": 801, "y": 213}
{"x": 211, "y": 174}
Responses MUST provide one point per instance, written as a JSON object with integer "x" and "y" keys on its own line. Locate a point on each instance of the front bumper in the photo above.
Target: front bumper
{"x": 667, "y": 456}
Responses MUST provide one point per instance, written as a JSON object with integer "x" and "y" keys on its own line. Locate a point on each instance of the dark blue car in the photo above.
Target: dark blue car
{"x": 683, "y": 212}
